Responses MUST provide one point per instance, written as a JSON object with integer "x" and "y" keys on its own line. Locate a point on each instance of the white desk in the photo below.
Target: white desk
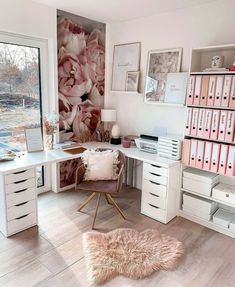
{"x": 18, "y": 196}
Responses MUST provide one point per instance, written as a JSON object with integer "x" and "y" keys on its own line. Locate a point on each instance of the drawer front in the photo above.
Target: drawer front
{"x": 20, "y": 196}
{"x": 155, "y": 188}
{"x": 21, "y": 209}
{"x": 156, "y": 169}
{"x": 154, "y": 199}
{"x": 20, "y": 185}
{"x": 18, "y": 176}
{"x": 153, "y": 211}
{"x": 21, "y": 223}
{"x": 155, "y": 178}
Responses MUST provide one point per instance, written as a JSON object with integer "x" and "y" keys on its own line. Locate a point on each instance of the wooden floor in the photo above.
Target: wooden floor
{"x": 52, "y": 254}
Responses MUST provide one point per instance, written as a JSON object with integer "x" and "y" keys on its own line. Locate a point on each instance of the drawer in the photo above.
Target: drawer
{"x": 155, "y": 188}
{"x": 18, "y": 176}
{"x": 20, "y": 196}
{"x": 156, "y": 169}
{"x": 20, "y": 185}
{"x": 21, "y": 209}
{"x": 154, "y": 199}
{"x": 155, "y": 178}
{"x": 153, "y": 211}
{"x": 21, "y": 223}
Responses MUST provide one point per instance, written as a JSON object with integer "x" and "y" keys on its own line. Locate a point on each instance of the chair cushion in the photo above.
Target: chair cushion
{"x": 100, "y": 165}
{"x": 106, "y": 186}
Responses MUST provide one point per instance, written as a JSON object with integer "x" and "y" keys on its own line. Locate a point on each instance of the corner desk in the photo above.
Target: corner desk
{"x": 18, "y": 189}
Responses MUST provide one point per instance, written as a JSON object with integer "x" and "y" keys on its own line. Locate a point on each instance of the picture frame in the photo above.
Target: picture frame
{"x": 132, "y": 81}
{"x": 33, "y": 138}
{"x": 126, "y": 57}
{"x": 159, "y": 64}
{"x": 176, "y": 87}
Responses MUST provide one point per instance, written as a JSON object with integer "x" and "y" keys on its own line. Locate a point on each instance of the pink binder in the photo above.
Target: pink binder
{"x": 215, "y": 124}
{"x": 230, "y": 126}
{"x": 223, "y": 158}
{"x": 204, "y": 90}
{"x": 207, "y": 126}
{"x": 190, "y": 91}
{"x": 222, "y": 125}
{"x": 211, "y": 92}
{"x": 226, "y": 90}
{"x": 194, "y": 121}
{"x": 201, "y": 122}
{"x": 188, "y": 121}
{"x": 193, "y": 152}
{"x": 200, "y": 153}
{"x": 197, "y": 90}
{"x": 219, "y": 90}
{"x": 207, "y": 156}
{"x": 230, "y": 167}
{"x": 232, "y": 94}
{"x": 215, "y": 157}
{"x": 186, "y": 151}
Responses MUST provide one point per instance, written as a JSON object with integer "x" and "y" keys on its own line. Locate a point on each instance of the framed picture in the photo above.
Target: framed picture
{"x": 33, "y": 139}
{"x": 159, "y": 64}
{"x": 176, "y": 86}
{"x": 126, "y": 57}
{"x": 132, "y": 81}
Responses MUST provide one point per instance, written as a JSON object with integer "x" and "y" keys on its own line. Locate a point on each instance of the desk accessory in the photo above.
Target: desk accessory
{"x": 33, "y": 139}
{"x": 108, "y": 116}
{"x": 50, "y": 127}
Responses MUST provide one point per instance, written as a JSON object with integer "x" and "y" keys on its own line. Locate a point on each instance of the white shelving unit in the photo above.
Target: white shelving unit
{"x": 200, "y": 60}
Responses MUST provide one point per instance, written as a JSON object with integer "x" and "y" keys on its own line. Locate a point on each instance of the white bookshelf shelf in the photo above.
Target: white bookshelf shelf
{"x": 210, "y": 107}
{"x": 207, "y": 223}
{"x": 214, "y": 73}
{"x": 210, "y": 140}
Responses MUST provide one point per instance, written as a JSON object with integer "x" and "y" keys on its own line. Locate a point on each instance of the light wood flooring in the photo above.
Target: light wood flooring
{"x": 52, "y": 254}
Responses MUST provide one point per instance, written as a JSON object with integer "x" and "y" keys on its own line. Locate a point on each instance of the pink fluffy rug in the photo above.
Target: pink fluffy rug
{"x": 129, "y": 253}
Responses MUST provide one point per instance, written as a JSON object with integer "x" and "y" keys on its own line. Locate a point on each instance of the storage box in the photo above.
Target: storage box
{"x": 196, "y": 213}
{"x": 232, "y": 225}
{"x": 199, "y": 181}
{"x": 201, "y": 175}
{"x": 224, "y": 192}
{"x": 223, "y": 217}
{"x": 203, "y": 205}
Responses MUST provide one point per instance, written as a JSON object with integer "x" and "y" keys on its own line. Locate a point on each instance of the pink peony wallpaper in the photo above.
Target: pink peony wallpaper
{"x": 81, "y": 70}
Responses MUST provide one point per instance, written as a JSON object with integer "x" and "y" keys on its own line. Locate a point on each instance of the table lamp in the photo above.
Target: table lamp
{"x": 107, "y": 117}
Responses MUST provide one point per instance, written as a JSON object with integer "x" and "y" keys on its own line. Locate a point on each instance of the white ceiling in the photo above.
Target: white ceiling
{"x": 109, "y": 11}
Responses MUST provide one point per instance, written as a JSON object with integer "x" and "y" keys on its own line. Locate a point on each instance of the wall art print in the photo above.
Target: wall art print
{"x": 81, "y": 75}
{"x": 160, "y": 63}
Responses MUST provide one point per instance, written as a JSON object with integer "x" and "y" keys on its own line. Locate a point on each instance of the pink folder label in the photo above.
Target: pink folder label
{"x": 222, "y": 125}
{"x": 215, "y": 124}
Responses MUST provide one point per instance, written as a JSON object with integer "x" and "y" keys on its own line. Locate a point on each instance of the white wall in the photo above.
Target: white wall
{"x": 207, "y": 24}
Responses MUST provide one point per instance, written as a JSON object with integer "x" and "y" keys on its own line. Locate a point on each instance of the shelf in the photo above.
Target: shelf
{"x": 208, "y": 170}
{"x": 206, "y": 223}
{"x": 208, "y": 197}
{"x": 214, "y": 73}
{"x": 209, "y": 140}
{"x": 210, "y": 107}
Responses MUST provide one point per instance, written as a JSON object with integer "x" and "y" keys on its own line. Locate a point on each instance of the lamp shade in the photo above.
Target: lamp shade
{"x": 108, "y": 115}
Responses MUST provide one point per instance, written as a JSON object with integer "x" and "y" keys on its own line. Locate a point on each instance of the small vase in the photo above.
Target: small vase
{"x": 49, "y": 142}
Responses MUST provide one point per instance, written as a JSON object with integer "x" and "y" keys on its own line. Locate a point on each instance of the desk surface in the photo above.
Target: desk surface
{"x": 30, "y": 160}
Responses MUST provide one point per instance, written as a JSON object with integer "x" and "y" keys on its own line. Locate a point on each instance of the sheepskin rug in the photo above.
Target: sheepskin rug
{"x": 129, "y": 253}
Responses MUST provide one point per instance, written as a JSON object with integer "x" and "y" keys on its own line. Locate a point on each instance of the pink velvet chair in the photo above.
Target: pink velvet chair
{"x": 106, "y": 187}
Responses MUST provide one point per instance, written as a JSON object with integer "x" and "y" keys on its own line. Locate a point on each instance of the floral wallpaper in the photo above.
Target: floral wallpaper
{"x": 81, "y": 70}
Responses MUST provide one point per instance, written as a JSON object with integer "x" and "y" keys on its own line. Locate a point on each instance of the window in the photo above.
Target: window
{"x": 22, "y": 91}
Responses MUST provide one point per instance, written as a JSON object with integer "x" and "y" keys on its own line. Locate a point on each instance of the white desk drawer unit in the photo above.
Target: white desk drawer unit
{"x": 160, "y": 187}
{"x": 18, "y": 207}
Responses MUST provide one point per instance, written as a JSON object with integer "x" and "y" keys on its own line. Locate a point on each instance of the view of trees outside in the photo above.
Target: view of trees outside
{"x": 19, "y": 94}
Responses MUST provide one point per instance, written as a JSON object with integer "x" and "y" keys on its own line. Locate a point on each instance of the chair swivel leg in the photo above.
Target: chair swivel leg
{"x": 116, "y": 206}
{"x": 96, "y": 210}
{"x": 87, "y": 201}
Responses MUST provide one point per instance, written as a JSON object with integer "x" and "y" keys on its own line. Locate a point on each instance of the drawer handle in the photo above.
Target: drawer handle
{"x": 19, "y": 204}
{"x": 20, "y": 190}
{"x": 154, "y": 194}
{"x": 157, "y": 166}
{"x": 21, "y": 217}
{"x": 153, "y": 205}
{"x": 155, "y": 174}
{"x": 20, "y": 181}
{"x": 18, "y": 172}
{"x": 155, "y": 182}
